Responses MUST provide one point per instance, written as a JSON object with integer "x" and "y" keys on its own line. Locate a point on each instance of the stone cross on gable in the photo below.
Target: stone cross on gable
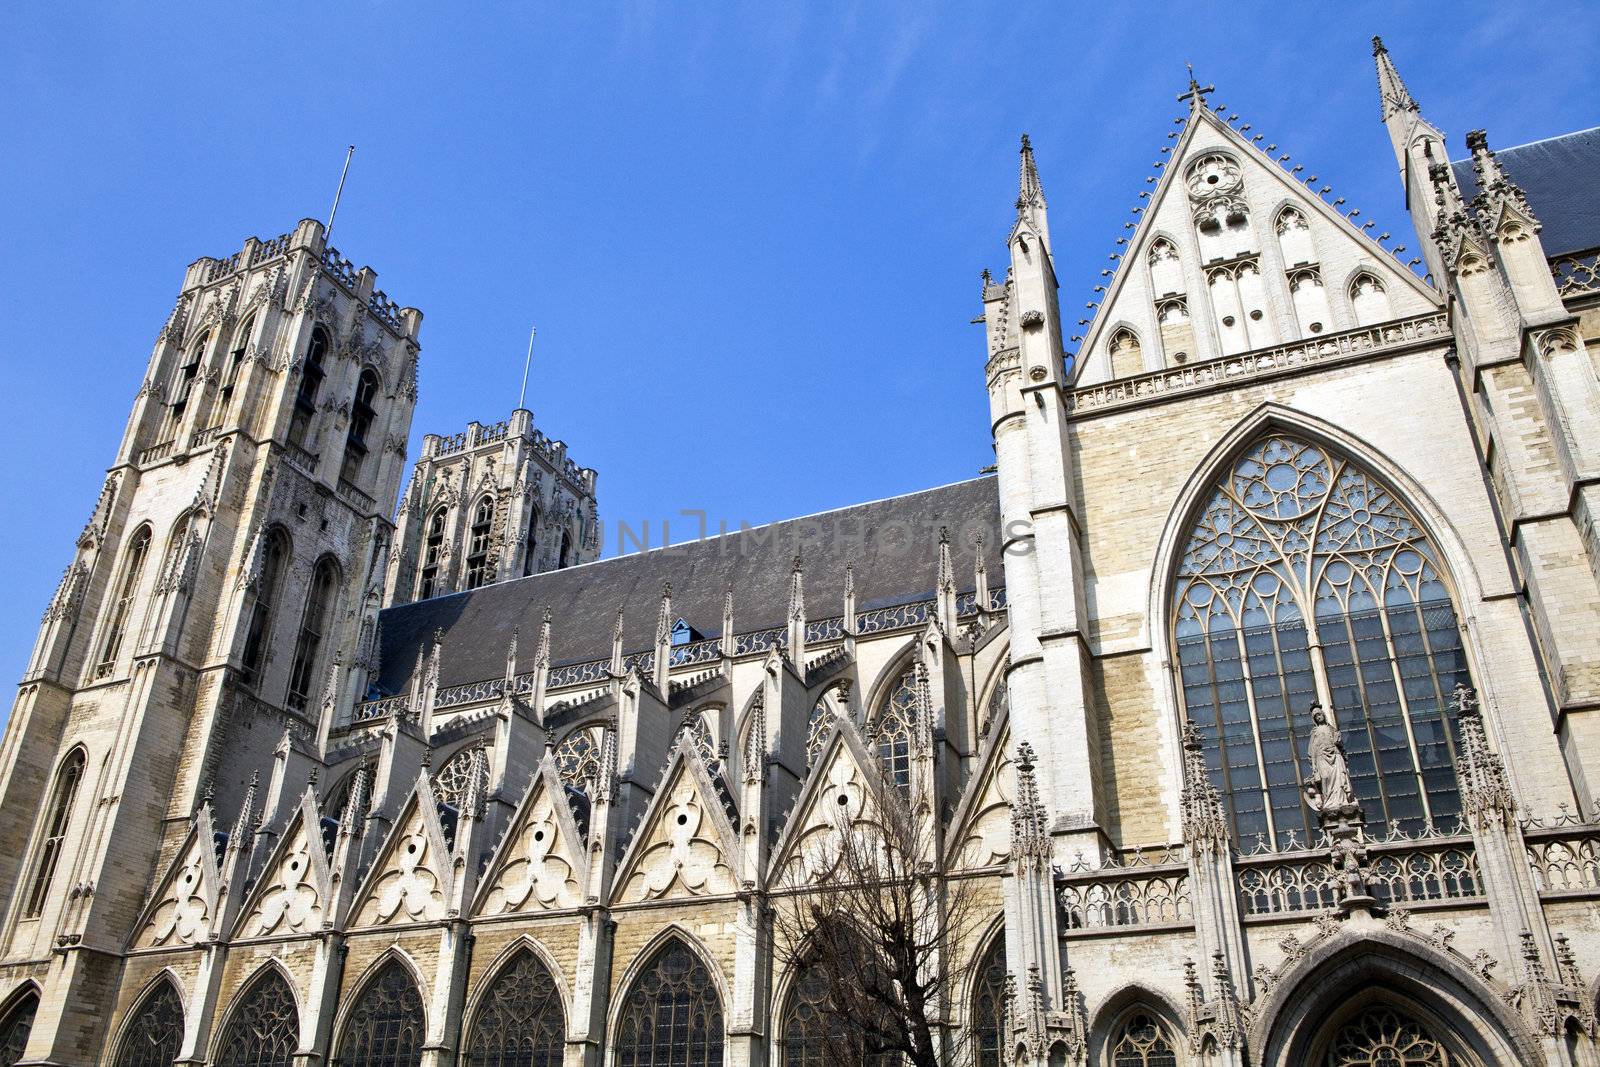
{"x": 1197, "y": 92}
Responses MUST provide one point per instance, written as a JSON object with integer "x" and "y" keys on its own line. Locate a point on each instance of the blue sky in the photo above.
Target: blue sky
{"x": 750, "y": 235}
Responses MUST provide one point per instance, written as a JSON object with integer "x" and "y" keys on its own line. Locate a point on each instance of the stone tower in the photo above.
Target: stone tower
{"x": 489, "y": 504}
{"x": 219, "y": 604}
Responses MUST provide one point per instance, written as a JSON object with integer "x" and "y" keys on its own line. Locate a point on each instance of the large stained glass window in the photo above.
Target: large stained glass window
{"x": 673, "y": 1016}
{"x": 264, "y": 1029}
{"x": 989, "y": 1005}
{"x": 153, "y": 1034}
{"x": 386, "y": 1027}
{"x": 1304, "y": 567}
{"x": 15, "y": 1026}
{"x": 1381, "y": 1036}
{"x": 520, "y": 1022}
{"x": 891, "y": 728}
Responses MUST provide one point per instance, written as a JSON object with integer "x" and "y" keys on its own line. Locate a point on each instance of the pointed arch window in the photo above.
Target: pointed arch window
{"x": 1127, "y": 356}
{"x": 274, "y": 556}
{"x": 62, "y": 799}
{"x": 183, "y": 384}
{"x": 15, "y": 1027}
{"x": 989, "y": 1006}
{"x": 230, "y": 375}
{"x": 520, "y": 1022}
{"x": 1370, "y": 300}
{"x": 432, "y": 554}
{"x": 314, "y": 625}
{"x": 697, "y": 728}
{"x": 1383, "y": 1036}
{"x": 450, "y": 784}
{"x": 1304, "y": 574}
{"x": 565, "y": 558}
{"x": 578, "y": 758}
{"x": 530, "y": 555}
{"x": 122, "y": 605}
{"x": 478, "y": 542}
{"x": 1166, "y": 272}
{"x": 672, "y": 1016}
{"x": 363, "y": 409}
{"x": 153, "y": 1034}
{"x": 1141, "y": 1040}
{"x": 891, "y": 728}
{"x": 312, "y": 374}
{"x": 1310, "y": 301}
{"x": 386, "y": 1026}
{"x": 264, "y": 1027}
{"x": 830, "y": 704}
{"x": 1294, "y": 238}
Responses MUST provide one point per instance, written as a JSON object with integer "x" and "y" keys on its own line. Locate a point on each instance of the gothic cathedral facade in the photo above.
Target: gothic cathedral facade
{"x": 1254, "y": 697}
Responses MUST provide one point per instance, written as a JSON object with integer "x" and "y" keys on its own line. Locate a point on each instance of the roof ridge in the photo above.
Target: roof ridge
{"x": 1538, "y": 141}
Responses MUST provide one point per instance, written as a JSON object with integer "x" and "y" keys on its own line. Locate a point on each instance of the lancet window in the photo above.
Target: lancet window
{"x": 314, "y": 624}
{"x": 1370, "y": 300}
{"x": 274, "y": 554}
{"x": 530, "y": 555}
{"x": 432, "y": 554}
{"x": 450, "y": 784}
{"x": 1294, "y": 238}
{"x": 672, "y": 1016}
{"x": 122, "y": 606}
{"x": 1127, "y": 356}
{"x": 520, "y": 1022}
{"x": 152, "y": 1036}
{"x": 15, "y": 1027}
{"x": 698, "y": 730}
{"x": 264, "y": 1028}
{"x": 989, "y": 1006}
{"x": 312, "y": 373}
{"x": 478, "y": 543}
{"x": 891, "y": 727}
{"x": 385, "y": 1028}
{"x": 1303, "y": 575}
{"x": 183, "y": 384}
{"x": 578, "y": 758}
{"x": 363, "y": 410}
{"x": 230, "y": 376}
{"x": 1142, "y": 1041}
{"x": 48, "y": 852}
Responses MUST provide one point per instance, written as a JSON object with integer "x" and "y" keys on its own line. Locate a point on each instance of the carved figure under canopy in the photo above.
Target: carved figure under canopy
{"x": 1329, "y": 789}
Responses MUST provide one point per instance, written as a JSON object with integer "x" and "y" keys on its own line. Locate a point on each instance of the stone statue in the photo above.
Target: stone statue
{"x": 1329, "y": 790}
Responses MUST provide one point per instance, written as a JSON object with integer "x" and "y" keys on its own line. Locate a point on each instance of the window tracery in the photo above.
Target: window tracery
{"x": 478, "y": 543}
{"x": 698, "y": 731}
{"x": 672, "y": 1016}
{"x": 1294, "y": 238}
{"x": 65, "y": 795}
{"x": 363, "y": 410}
{"x": 314, "y": 624}
{"x": 520, "y": 1022}
{"x": 432, "y": 555}
{"x": 450, "y": 784}
{"x": 152, "y": 1037}
{"x": 989, "y": 1006}
{"x": 1310, "y": 300}
{"x": 1296, "y": 542}
{"x": 273, "y": 556}
{"x": 1166, "y": 272}
{"x": 15, "y": 1028}
{"x": 386, "y": 1027}
{"x": 1127, "y": 356}
{"x": 1383, "y": 1036}
{"x": 312, "y": 373}
{"x": 264, "y": 1029}
{"x": 1370, "y": 300}
{"x": 117, "y": 621}
{"x": 578, "y": 758}
{"x": 891, "y": 728}
{"x": 1142, "y": 1041}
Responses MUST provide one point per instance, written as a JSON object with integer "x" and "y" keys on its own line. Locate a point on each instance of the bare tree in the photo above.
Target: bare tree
{"x": 867, "y": 921}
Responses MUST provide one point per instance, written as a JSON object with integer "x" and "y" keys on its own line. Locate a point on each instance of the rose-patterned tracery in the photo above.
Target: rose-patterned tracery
{"x": 450, "y": 784}
{"x": 1295, "y": 534}
{"x": 891, "y": 728}
{"x": 1384, "y": 1037}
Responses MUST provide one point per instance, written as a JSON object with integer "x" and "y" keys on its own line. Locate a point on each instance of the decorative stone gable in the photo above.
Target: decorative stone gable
{"x": 981, "y": 828}
{"x": 410, "y": 881}
{"x": 840, "y": 795}
{"x": 686, "y": 846}
{"x": 294, "y": 892}
{"x": 540, "y": 864}
{"x": 182, "y": 909}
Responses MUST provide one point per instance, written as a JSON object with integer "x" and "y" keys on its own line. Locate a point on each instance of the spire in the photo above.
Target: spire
{"x": 850, "y": 603}
{"x": 1204, "y": 823}
{"x": 795, "y": 615}
{"x": 541, "y": 658}
{"x": 1032, "y": 210}
{"x": 511, "y": 658}
{"x": 1496, "y": 190}
{"x": 616, "y": 645}
{"x": 945, "y": 583}
{"x": 1391, "y": 90}
{"x": 663, "y": 652}
{"x": 1030, "y": 840}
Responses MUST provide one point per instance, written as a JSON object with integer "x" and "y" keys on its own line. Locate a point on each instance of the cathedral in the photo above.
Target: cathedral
{"x": 1250, "y": 703}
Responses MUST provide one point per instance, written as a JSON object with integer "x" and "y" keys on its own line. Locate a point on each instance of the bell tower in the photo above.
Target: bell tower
{"x": 221, "y": 600}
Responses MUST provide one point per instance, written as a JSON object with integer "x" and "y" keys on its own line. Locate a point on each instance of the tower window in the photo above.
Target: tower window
{"x": 478, "y": 543}
{"x": 362, "y": 413}
{"x": 273, "y": 555}
{"x": 311, "y": 376}
{"x": 55, "y": 832}
{"x": 565, "y": 559}
{"x": 432, "y": 552}
{"x": 230, "y": 378}
{"x": 530, "y": 558}
{"x": 313, "y": 627}
{"x": 183, "y": 385}
{"x": 122, "y": 606}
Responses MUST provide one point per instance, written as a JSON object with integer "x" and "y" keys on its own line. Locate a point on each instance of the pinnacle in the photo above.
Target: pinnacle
{"x": 1391, "y": 89}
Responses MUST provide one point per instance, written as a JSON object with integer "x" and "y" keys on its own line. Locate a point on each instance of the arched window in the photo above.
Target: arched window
{"x": 989, "y": 1006}
{"x": 818, "y": 723}
{"x": 155, "y": 1030}
{"x": 565, "y": 558}
{"x": 1383, "y": 1036}
{"x": 1310, "y": 301}
{"x": 697, "y": 728}
{"x": 1166, "y": 273}
{"x": 1296, "y": 542}
{"x": 362, "y": 412}
{"x": 15, "y": 1027}
{"x": 834, "y": 1013}
{"x": 172, "y": 565}
{"x": 530, "y": 555}
{"x": 122, "y": 605}
{"x": 890, "y": 729}
{"x": 520, "y": 1022}
{"x": 478, "y": 542}
{"x": 1294, "y": 238}
{"x": 432, "y": 553}
{"x": 578, "y": 758}
{"x": 450, "y": 784}
{"x": 183, "y": 384}
{"x": 1370, "y": 300}
{"x": 264, "y": 1027}
{"x": 1141, "y": 1041}
{"x": 672, "y": 1016}
{"x": 312, "y": 374}
{"x": 385, "y": 1027}
{"x": 1127, "y": 357}
{"x": 274, "y": 556}
{"x": 230, "y": 374}
{"x": 314, "y": 624}
{"x": 48, "y": 852}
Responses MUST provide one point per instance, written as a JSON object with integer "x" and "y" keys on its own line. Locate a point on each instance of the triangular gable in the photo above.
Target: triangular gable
{"x": 540, "y": 862}
{"x": 686, "y": 847}
{"x": 410, "y": 881}
{"x": 295, "y": 890}
{"x": 1132, "y": 298}
{"x": 184, "y": 904}
{"x": 980, "y": 829}
{"x": 844, "y": 782}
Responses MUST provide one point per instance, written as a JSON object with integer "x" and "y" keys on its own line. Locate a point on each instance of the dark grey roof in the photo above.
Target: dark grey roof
{"x": 893, "y": 544}
{"x": 1562, "y": 179}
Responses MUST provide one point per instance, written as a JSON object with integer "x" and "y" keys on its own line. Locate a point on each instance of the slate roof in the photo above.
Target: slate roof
{"x": 1561, "y": 176}
{"x": 893, "y": 544}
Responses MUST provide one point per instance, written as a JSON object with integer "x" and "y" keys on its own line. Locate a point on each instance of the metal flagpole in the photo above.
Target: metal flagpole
{"x": 528, "y": 361}
{"x": 327, "y": 236}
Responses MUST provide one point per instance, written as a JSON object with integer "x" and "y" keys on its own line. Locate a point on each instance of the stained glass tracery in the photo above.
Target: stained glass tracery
{"x": 386, "y": 1026}
{"x": 578, "y": 758}
{"x": 989, "y": 1006}
{"x": 15, "y": 1027}
{"x": 152, "y": 1037}
{"x": 1302, "y": 566}
{"x": 1141, "y": 1041}
{"x": 264, "y": 1029}
{"x": 520, "y": 1022}
{"x": 450, "y": 784}
{"x": 673, "y": 1016}
{"x": 1382, "y": 1036}
{"x": 891, "y": 728}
